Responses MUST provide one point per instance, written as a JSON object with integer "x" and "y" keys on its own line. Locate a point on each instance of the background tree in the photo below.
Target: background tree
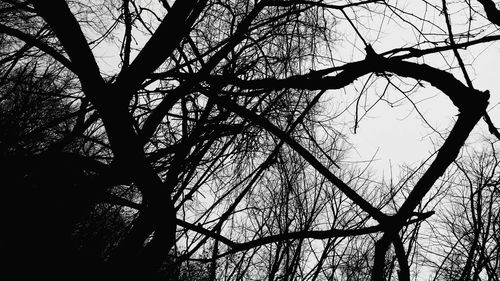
{"x": 468, "y": 221}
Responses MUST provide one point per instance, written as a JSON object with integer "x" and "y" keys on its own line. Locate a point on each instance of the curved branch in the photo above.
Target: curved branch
{"x": 316, "y": 80}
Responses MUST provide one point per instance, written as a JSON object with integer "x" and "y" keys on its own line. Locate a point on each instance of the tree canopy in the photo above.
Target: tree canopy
{"x": 209, "y": 140}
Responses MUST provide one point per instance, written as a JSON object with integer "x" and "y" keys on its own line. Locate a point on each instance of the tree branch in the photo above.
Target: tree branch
{"x": 314, "y": 234}
{"x": 155, "y": 118}
{"x": 404, "y": 270}
{"x": 491, "y": 127}
{"x": 69, "y": 33}
{"x": 33, "y": 41}
{"x": 174, "y": 27}
{"x": 266, "y": 124}
{"x": 492, "y": 13}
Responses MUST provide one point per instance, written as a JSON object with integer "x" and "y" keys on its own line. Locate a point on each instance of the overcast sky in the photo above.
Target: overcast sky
{"x": 399, "y": 136}
{"x": 394, "y": 135}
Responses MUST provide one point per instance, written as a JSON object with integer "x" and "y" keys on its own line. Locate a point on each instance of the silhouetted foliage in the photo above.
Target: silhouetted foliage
{"x": 206, "y": 140}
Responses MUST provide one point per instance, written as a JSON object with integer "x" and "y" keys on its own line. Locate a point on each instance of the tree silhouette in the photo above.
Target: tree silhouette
{"x": 207, "y": 149}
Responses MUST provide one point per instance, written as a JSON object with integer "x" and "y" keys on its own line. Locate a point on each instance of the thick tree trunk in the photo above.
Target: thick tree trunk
{"x": 133, "y": 258}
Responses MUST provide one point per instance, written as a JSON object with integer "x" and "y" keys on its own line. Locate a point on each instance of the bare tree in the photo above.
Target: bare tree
{"x": 210, "y": 132}
{"x": 468, "y": 224}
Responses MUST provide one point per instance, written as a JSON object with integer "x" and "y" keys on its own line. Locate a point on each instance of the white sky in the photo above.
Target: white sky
{"x": 396, "y": 135}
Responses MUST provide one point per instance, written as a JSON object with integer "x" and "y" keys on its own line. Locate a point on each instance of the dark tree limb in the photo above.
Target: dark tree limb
{"x": 33, "y": 41}
{"x": 492, "y": 13}
{"x": 404, "y": 269}
{"x": 266, "y": 124}
{"x": 69, "y": 33}
{"x": 156, "y": 116}
{"x": 173, "y": 28}
{"x": 491, "y": 127}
